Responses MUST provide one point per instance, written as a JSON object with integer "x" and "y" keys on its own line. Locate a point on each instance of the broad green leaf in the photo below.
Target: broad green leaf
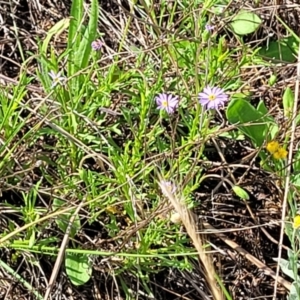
{"x": 288, "y": 102}
{"x": 245, "y": 22}
{"x": 283, "y": 49}
{"x": 78, "y": 268}
{"x": 240, "y": 192}
{"x": 240, "y": 112}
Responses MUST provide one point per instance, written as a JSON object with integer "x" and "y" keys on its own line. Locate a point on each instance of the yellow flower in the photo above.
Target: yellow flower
{"x": 272, "y": 146}
{"x": 280, "y": 153}
{"x": 296, "y": 223}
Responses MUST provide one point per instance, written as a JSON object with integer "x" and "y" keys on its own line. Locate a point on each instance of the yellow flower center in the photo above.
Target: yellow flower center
{"x": 164, "y": 103}
{"x": 212, "y": 97}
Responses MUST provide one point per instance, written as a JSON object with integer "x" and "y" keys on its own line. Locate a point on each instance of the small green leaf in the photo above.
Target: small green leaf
{"x": 245, "y": 22}
{"x": 241, "y": 192}
{"x": 288, "y": 102}
{"x": 32, "y": 239}
{"x": 78, "y": 268}
{"x": 272, "y": 79}
{"x": 233, "y": 134}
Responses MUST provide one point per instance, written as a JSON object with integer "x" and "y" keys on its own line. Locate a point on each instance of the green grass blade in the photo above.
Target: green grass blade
{"x": 84, "y": 49}
{"x": 73, "y": 43}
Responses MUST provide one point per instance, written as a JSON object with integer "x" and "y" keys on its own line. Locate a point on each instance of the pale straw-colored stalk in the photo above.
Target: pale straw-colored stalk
{"x": 191, "y": 228}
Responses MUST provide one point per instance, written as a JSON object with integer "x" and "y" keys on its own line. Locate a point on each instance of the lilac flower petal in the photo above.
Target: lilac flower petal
{"x": 211, "y": 105}
{"x": 204, "y": 102}
{"x": 203, "y": 96}
{"x": 207, "y": 90}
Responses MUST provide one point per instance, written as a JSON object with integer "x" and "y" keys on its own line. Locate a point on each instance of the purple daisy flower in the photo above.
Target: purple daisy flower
{"x": 96, "y": 45}
{"x": 167, "y": 102}
{"x": 212, "y": 97}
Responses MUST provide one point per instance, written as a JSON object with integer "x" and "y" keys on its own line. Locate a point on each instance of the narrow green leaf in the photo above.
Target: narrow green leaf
{"x": 58, "y": 28}
{"x": 73, "y": 42}
{"x": 288, "y": 102}
{"x": 296, "y": 162}
{"x": 84, "y": 50}
{"x": 272, "y": 125}
{"x": 78, "y": 268}
{"x": 240, "y": 192}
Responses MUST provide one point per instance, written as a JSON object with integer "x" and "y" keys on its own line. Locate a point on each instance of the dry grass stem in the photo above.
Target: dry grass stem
{"x": 191, "y": 228}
